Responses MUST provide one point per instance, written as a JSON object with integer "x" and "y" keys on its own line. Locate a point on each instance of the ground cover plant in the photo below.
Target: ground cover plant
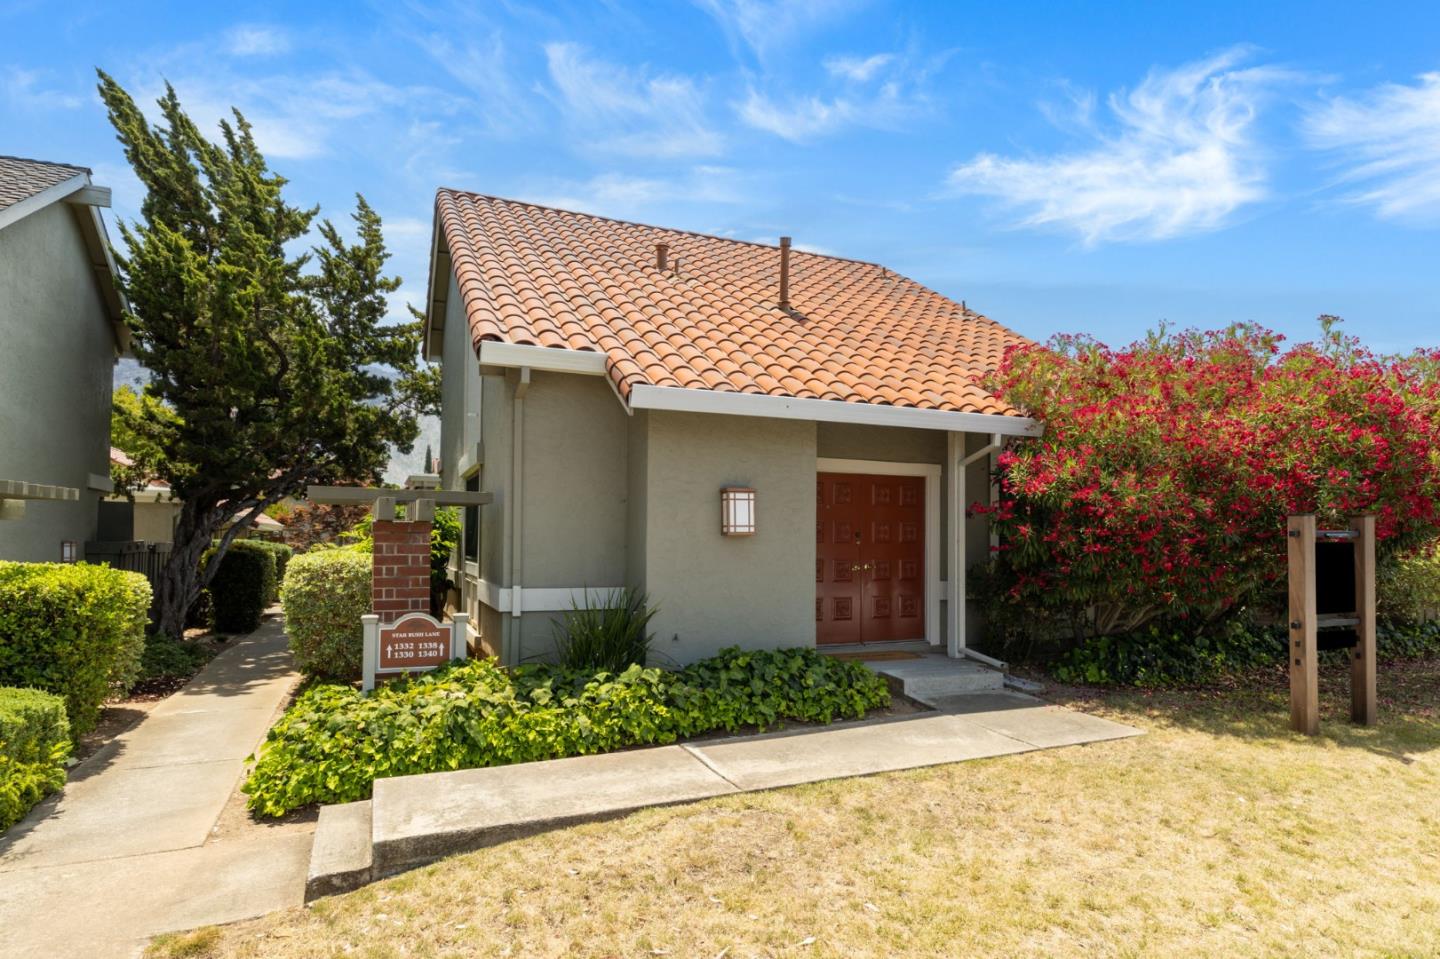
{"x": 332, "y": 744}
{"x": 74, "y": 630}
{"x": 1218, "y": 833}
{"x": 1154, "y": 505}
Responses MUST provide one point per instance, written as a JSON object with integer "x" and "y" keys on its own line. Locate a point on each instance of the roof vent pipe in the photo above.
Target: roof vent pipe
{"x": 662, "y": 256}
{"x": 784, "y": 273}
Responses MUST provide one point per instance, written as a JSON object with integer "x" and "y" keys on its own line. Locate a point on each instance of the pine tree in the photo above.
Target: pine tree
{"x": 277, "y": 373}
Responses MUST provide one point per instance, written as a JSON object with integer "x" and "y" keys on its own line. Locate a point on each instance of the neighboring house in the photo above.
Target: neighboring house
{"x": 148, "y": 514}
{"x": 60, "y": 334}
{"x": 613, "y": 384}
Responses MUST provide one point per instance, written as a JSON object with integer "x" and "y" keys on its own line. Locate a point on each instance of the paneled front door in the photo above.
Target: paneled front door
{"x": 869, "y": 558}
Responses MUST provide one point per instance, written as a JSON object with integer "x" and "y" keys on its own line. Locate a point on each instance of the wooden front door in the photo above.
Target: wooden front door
{"x": 869, "y": 558}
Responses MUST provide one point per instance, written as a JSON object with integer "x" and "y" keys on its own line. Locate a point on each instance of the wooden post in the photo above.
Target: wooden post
{"x": 1362, "y": 664}
{"x": 1304, "y": 676}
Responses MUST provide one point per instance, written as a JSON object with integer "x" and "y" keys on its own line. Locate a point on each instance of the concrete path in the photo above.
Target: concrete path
{"x": 413, "y": 820}
{"x": 132, "y": 846}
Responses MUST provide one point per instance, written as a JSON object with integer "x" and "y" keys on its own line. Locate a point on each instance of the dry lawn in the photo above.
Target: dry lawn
{"x": 1218, "y": 834}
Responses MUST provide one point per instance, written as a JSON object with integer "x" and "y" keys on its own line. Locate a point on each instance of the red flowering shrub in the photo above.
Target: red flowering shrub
{"x": 1161, "y": 485}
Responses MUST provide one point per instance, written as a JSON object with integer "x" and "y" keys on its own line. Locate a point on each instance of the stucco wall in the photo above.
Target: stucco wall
{"x": 714, "y": 591}
{"x": 57, "y": 361}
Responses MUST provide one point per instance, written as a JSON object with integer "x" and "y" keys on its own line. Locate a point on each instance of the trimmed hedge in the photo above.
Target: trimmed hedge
{"x": 336, "y": 741}
{"x": 34, "y": 744}
{"x": 325, "y": 594}
{"x": 74, "y": 630}
{"x": 242, "y": 587}
{"x": 281, "y": 554}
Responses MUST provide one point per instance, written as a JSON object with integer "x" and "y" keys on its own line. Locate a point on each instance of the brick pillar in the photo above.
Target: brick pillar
{"x": 401, "y": 569}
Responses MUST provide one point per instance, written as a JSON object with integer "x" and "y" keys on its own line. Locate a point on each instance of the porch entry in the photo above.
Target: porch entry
{"x": 869, "y": 558}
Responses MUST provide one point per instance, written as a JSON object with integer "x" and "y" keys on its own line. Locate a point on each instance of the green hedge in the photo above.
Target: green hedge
{"x": 74, "y": 630}
{"x": 34, "y": 744}
{"x": 242, "y": 587}
{"x": 336, "y": 741}
{"x": 281, "y": 554}
{"x": 325, "y": 594}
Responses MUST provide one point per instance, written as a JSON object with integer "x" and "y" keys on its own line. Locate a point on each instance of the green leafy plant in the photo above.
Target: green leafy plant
{"x": 325, "y": 593}
{"x": 281, "y": 554}
{"x": 1408, "y": 586}
{"x": 609, "y": 635}
{"x": 335, "y": 741}
{"x": 1165, "y": 655}
{"x": 242, "y": 587}
{"x": 34, "y": 744}
{"x": 74, "y": 630}
{"x": 167, "y": 658}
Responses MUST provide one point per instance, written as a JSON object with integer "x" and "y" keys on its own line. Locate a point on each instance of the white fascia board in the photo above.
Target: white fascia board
{"x": 547, "y": 358}
{"x": 437, "y": 292}
{"x": 54, "y": 194}
{"x": 827, "y": 411}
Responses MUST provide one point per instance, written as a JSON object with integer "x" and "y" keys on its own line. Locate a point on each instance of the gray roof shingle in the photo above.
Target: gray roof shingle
{"x": 21, "y": 179}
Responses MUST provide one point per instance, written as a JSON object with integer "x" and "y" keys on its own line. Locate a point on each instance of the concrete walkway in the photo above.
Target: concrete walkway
{"x": 132, "y": 846}
{"x": 413, "y": 820}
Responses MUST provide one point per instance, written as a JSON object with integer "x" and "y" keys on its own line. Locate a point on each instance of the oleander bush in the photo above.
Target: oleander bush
{"x": 34, "y": 744}
{"x": 326, "y": 591}
{"x": 336, "y": 741}
{"x": 72, "y": 629}
{"x": 242, "y": 587}
{"x": 1158, "y": 493}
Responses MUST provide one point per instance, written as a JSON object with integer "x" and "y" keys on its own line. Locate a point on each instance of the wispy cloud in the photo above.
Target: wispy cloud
{"x": 763, "y": 26}
{"x": 24, "y": 89}
{"x": 256, "y": 40}
{"x": 1181, "y": 157}
{"x": 859, "y": 69}
{"x": 630, "y": 111}
{"x": 638, "y": 197}
{"x": 1390, "y": 139}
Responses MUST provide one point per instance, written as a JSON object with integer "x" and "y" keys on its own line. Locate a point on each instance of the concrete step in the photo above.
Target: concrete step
{"x": 933, "y": 677}
{"x": 342, "y": 856}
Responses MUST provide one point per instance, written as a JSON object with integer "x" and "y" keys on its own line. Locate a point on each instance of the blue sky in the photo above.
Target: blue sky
{"x": 1062, "y": 167}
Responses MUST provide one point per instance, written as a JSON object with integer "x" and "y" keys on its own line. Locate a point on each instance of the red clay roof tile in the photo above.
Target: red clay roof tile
{"x": 856, "y": 332}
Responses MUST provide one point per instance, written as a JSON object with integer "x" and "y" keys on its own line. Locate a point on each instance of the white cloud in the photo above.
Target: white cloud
{"x": 254, "y": 40}
{"x": 1181, "y": 158}
{"x": 804, "y": 118}
{"x": 629, "y": 111}
{"x": 23, "y": 88}
{"x": 858, "y": 69}
{"x": 766, "y": 25}
{"x": 635, "y": 197}
{"x": 1390, "y": 138}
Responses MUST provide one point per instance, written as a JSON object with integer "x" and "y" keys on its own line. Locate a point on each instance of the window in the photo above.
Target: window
{"x": 472, "y": 521}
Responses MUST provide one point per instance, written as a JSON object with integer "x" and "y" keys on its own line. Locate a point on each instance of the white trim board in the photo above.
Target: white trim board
{"x": 551, "y": 359}
{"x": 39, "y": 201}
{"x": 934, "y": 629}
{"x": 540, "y": 599}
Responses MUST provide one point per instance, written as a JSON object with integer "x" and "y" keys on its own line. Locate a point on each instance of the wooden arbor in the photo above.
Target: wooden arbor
{"x": 1332, "y": 606}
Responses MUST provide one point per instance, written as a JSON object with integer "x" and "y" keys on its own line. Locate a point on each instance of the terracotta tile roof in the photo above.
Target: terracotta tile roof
{"x": 856, "y": 333}
{"x": 21, "y": 179}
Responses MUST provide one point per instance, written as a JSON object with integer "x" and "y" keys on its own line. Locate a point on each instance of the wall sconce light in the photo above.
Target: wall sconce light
{"x": 69, "y": 551}
{"x": 737, "y": 511}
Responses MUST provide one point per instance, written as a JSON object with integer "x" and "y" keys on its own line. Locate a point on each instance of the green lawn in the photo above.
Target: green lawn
{"x": 1218, "y": 834}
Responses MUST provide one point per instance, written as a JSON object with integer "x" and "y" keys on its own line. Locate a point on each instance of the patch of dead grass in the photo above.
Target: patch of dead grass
{"x": 1218, "y": 834}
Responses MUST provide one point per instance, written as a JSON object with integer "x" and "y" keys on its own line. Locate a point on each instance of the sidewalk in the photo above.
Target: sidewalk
{"x": 132, "y": 847}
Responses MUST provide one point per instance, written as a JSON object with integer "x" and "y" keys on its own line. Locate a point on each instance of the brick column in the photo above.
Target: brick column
{"x": 401, "y": 570}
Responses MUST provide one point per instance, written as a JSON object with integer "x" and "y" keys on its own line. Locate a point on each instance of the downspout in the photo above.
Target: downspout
{"x": 510, "y": 655}
{"x": 958, "y": 645}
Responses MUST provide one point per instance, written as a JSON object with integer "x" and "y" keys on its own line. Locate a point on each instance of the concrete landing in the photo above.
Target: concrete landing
{"x": 418, "y": 819}
{"x": 934, "y": 676}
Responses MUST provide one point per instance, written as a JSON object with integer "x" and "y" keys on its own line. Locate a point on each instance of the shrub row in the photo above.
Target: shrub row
{"x": 74, "y": 630}
{"x": 335, "y": 741}
{"x": 243, "y": 586}
{"x": 325, "y": 593}
{"x": 34, "y": 744}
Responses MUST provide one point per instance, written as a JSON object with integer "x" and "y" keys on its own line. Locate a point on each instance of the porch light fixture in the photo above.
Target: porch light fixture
{"x": 737, "y": 511}
{"x": 69, "y": 551}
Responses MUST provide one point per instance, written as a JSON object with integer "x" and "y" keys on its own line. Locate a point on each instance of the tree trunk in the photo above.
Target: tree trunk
{"x": 180, "y": 582}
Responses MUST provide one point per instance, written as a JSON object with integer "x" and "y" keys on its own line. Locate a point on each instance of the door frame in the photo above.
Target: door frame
{"x": 932, "y": 472}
